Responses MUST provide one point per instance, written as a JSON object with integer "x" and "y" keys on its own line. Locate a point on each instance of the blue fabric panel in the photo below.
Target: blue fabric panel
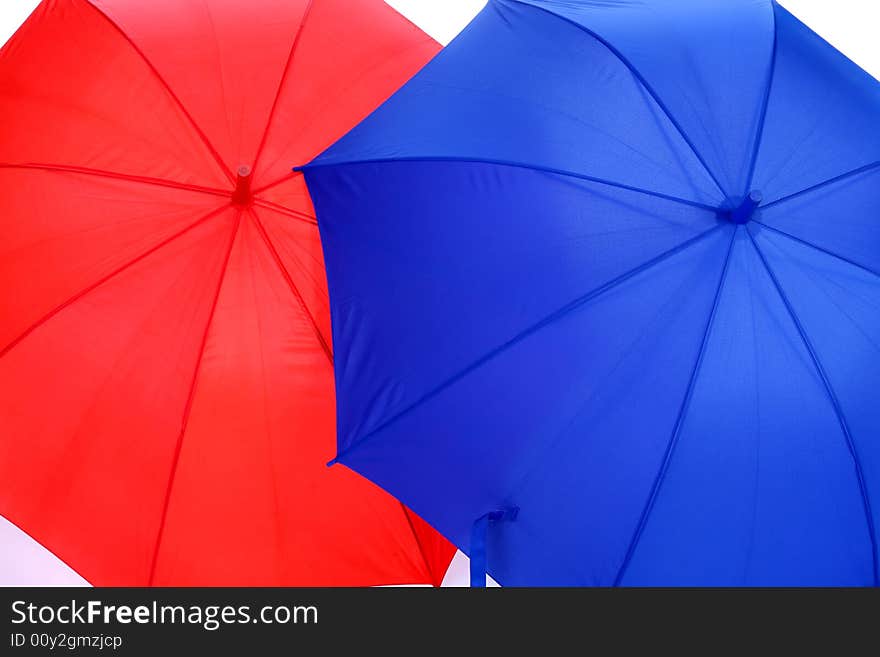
{"x": 472, "y": 443}
{"x": 459, "y": 266}
{"x": 550, "y": 290}
{"x": 840, "y": 218}
{"x": 822, "y": 114}
{"x": 838, "y": 305}
{"x": 779, "y": 502}
{"x": 708, "y": 63}
{"x": 536, "y": 76}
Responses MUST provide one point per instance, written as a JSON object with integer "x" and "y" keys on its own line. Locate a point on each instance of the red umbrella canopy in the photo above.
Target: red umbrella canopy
{"x": 166, "y": 390}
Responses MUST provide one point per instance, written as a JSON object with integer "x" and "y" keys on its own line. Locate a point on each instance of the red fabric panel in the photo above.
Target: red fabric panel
{"x": 291, "y": 192}
{"x": 62, "y": 232}
{"x": 351, "y": 56}
{"x": 263, "y": 384}
{"x": 297, "y": 243}
{"x": 436, "y": 550}
{"x": 73, "y": 91}
{"x": 91, "y": 403}
{"x": 230, "y": 66}
{"x": 166, "y": 392}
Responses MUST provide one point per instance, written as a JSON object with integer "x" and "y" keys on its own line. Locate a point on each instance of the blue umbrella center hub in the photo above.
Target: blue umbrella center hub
{"x": 741, "y": 211}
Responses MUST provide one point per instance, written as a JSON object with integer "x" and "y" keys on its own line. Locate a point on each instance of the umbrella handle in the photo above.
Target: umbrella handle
{"x": 479, "y": 534}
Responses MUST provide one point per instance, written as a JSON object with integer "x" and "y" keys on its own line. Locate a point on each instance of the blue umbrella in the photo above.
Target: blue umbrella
{"x": 605, "y": 283}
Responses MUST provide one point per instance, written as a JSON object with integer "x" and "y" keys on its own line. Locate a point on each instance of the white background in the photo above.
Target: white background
{"x": 850, "y": 25}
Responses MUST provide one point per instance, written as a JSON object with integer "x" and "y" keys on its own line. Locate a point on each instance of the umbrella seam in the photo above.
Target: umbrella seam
{"x": 623, "y": 60}
{"x": 277, "y": 529}
{"x": 114, "y": 175}
{"x": 301, "y": 216}
{"x": 679, "y": 422}
{"x": 372, "y": 67}
{"x": 220, "y": 74}
{"x": 76, "y": 297}
{"x": 518, "y": 165}
{"x": 281, "y": 81}
{"x": 818, "y": 248}
{"x": 759, "y": 137}
{"x": 534, "y": 328}
{"x": 189, "y": 402}
{"x": 195, "y": 126}
{"x": 428, "y": 570}
{"x": 293, "y": 288}
{"x": 849, "y": 174}
{"x": 277, "y": 182}
{"x": 835, "y": 403}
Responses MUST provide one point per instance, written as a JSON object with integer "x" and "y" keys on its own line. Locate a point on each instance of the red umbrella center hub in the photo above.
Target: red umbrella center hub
{"x": 242, "y": 194}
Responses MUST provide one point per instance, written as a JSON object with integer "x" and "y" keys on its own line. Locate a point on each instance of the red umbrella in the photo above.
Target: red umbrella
{"x": 166, "y": 388}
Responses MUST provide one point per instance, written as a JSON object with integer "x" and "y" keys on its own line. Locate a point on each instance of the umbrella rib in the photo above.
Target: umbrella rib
{"x": 275, "y": 183}
{"x": 101, "y": 173}
{"x": 644, "y": 82}
{"x": 762, "y": 121}
{"x": 415, "y": 535}
{"x": 76, "y": 297}
{"x": 835, "y": 403}
{"x": 301, "y": 216}
{"x": 189, "y": 401}
{"x": 679, "y": 422}
{"x": 818, "y": 248}
{"x": 195, "y": 126}
{"x": 293, "y": 288}
{"x": 534, "y": 328}
{"x": 284, "y": 73}
{"x": 276, "y": 257}
{"x": 519, "y": 165}
{"x": 825, "y": 183}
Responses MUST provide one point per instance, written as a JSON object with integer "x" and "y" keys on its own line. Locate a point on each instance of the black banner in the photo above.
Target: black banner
{"x": 415, "y": 621}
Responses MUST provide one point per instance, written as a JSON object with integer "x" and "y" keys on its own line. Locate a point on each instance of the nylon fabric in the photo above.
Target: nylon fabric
{"x": 565, "y": 301}
{"x": 166, "y": 385}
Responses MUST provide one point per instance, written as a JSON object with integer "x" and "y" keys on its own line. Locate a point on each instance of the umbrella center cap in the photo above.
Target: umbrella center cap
{"x": 242, "y": 194}
{"x": 741, "y": 210}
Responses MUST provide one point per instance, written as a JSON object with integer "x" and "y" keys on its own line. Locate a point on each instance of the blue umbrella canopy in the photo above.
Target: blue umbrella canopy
{"x": 605, "y": 286}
